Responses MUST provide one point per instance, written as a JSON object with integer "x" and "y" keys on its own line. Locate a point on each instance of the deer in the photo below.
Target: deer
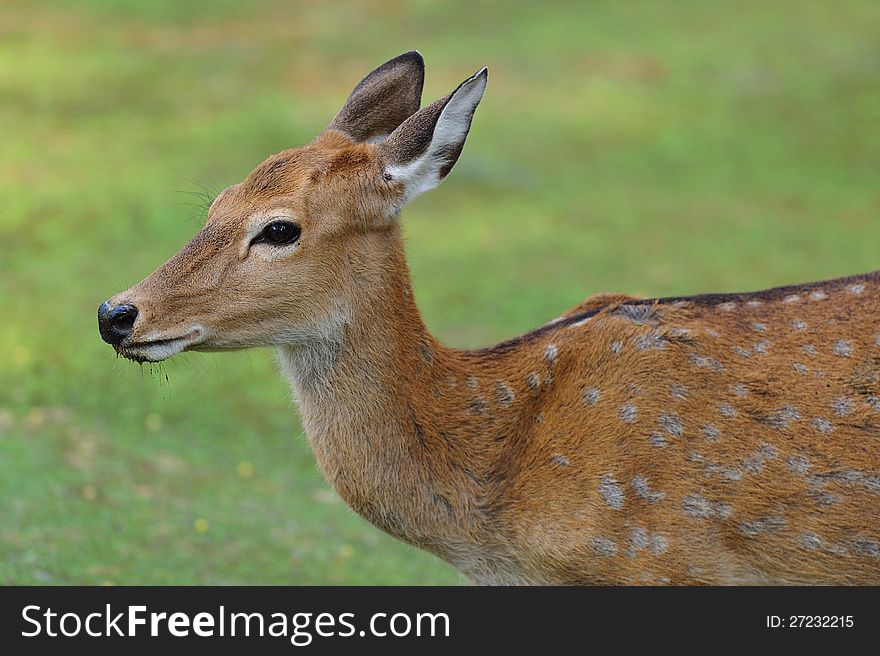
{"x": 717, "y": 439}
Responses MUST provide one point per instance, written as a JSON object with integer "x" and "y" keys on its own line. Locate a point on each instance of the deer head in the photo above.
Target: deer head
{"x": 285, "y": 255}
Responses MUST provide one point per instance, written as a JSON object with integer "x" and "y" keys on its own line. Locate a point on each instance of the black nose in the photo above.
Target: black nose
{"x": 116, "y": 323}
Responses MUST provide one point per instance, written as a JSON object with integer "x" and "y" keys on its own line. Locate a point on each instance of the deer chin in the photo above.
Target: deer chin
{"x": 154, "y": 348}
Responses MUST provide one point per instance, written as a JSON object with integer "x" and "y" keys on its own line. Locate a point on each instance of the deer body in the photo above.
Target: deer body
{"x": 728, "y": 439}
{"x": 715, "y": 439}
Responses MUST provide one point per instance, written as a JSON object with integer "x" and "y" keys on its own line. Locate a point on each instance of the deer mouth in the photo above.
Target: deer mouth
{"x": 158, "y": 349}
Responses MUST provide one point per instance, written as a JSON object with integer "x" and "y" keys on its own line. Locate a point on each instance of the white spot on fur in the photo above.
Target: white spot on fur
{"x": 711, "y": 432}
{"x": 809, "y": 541}
{"x": 842, "y": 406}
{"x": 843, "y": 348}
{"x": 604, "y": 546}
{"x": 616, "y": 347}
{"x": 822, "y": 425}
{"x": 759, "y": 327}
{"x": 640, "y": 539}
{"x": 740, "y": 390}
{"x": 671, "y": 424}
{"x": 769, "y": 524}
{"x": 705, "y": 362}
{"x": 591, "y": 395}
{"x": 800, "y": 367}
{"x": 503, "y": 394}
{"x": 818, "y": 295}
{"x": 649, "y": 342}
{"x": 799, "y": 325}
{"x": 696, "y": 505}
{"x": 798, "y": 464}
{"x": 611, "y": 491}
{"x": 781, "y": 418}
{"x": 727, "y": 307}
{"x": 824, "y": 497}
{"x": 722, "y": 471}
{"x": 856, "y": 289}
{"x": 791, "y": 298}
{"x": 727, "y": 410}
{"x": 679, "y": 392}
{"x": 628, "y": 413}
{"x": 550, "y": 353}
{"x": 643, "y": 489}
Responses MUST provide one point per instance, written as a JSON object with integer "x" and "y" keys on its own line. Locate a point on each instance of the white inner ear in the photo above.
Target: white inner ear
{"x": 423, "y": 173}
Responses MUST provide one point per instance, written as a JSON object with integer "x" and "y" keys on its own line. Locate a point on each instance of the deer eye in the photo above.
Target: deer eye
{"x": 278, "y": 233}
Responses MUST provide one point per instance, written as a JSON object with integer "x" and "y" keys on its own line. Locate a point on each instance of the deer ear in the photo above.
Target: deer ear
{"x": 423, "y": 150}
{"x": 383, "y": 100}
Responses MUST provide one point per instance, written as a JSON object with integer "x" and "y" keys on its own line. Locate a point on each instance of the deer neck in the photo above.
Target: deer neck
{"x": 370, "y": 390}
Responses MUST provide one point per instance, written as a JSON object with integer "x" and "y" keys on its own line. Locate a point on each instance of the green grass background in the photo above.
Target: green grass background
{"x": 643, "y": 147}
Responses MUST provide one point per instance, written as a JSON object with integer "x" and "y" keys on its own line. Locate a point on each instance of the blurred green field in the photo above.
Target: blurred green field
{"x": 643, "y": 147}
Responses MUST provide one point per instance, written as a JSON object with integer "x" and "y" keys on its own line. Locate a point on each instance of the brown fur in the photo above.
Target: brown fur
{"x": 718, "y": 439}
